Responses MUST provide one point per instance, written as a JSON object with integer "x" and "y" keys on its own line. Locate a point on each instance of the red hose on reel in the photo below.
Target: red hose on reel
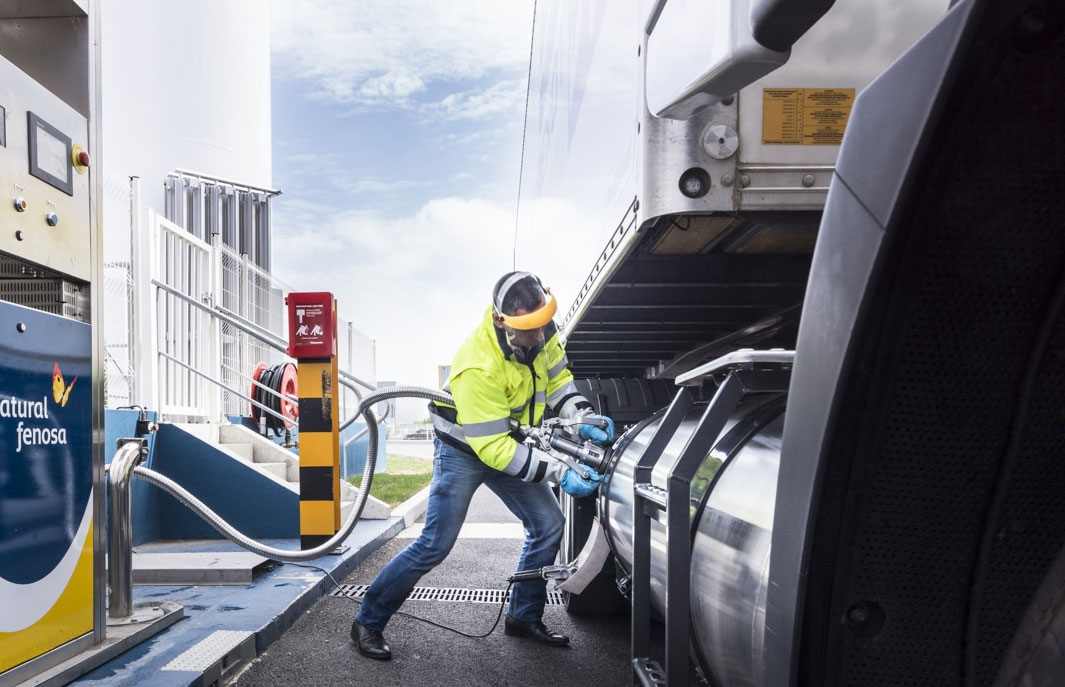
{"x": 281, "y": 378}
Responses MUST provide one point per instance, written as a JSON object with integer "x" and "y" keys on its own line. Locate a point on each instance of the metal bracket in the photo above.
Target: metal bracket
{"x": 746, "y": 359}
{"x": 672, "y": 505}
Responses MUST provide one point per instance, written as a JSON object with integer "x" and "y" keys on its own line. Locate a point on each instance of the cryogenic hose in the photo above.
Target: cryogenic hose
{"x": 295, "y": 556}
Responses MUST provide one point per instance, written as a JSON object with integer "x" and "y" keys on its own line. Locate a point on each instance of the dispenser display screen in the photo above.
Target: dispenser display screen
{"x": 50, "y": 155}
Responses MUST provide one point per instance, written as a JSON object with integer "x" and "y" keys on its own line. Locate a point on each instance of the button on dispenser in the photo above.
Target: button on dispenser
{"x": 52, "y": 219}
{"x": 80, "y": 158}
{"x": 20, "y": 204}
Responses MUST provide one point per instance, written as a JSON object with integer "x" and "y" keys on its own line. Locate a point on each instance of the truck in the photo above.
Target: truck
{"x": 826, "y": 300}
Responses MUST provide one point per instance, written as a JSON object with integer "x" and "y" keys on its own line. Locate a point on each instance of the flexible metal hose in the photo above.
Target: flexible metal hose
{"x": 296, "y": 556}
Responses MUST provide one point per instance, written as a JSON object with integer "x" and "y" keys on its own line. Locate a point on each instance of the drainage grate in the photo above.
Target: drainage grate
{"x": 452, "y": 594}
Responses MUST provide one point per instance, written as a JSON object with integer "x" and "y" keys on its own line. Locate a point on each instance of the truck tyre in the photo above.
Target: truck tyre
{"x": 1036, "y": 656}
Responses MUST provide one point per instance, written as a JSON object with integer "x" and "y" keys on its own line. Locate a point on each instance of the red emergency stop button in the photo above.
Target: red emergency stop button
{"x": 80, "y": 157}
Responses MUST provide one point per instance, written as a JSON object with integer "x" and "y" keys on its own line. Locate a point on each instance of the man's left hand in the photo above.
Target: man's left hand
{"x": 601, "y": 434}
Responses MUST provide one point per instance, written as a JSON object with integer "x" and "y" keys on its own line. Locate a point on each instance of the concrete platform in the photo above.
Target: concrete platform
{"x": 226, "y": 625}
{"x": 153, "y": 565}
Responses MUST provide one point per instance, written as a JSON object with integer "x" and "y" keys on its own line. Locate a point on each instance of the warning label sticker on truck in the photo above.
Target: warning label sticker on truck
{"x": 805, "y": 116}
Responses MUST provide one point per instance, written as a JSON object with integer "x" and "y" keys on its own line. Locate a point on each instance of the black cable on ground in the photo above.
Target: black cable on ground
{"x": 499, "y": 615}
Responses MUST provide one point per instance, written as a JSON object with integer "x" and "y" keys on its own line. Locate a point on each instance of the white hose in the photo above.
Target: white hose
{"x": 298, "y": 555}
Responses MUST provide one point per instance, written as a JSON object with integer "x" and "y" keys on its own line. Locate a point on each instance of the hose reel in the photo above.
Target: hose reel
{"x": 281, "y": 379}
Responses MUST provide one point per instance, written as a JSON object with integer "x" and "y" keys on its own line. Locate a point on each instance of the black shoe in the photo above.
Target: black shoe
{"x": 535, "y": 631}
{"x": 370, "y": 642}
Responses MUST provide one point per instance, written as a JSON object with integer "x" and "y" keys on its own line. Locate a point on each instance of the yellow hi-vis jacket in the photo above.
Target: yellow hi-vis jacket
{"x": 491, "y": 386}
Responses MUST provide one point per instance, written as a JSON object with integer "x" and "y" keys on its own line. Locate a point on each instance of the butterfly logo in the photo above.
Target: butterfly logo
{"x": 60, "y": 390}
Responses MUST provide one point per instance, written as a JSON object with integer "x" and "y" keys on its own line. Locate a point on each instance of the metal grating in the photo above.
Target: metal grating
{"x": 217, "y": 646}
{"x": 448, "y": 594}
{"x": 56, "y": 296}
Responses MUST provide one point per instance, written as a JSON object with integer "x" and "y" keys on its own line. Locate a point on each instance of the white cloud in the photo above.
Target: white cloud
{"x": 503, "y": 98}
{"x": 419, "y": 283}
{"x": 372, "y": 185}
{"x": 384, "y": 53}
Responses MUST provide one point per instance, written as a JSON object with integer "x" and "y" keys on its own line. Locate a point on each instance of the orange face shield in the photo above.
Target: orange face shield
{"x": 535, "y": 319}
{"x": 532, "y": 320}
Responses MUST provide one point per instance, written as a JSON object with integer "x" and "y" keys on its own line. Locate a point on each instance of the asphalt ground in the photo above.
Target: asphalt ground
{"x": 317, "y": 649}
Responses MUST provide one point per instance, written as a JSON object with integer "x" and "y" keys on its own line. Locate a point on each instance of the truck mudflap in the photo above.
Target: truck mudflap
{"x": 589, "y": 562}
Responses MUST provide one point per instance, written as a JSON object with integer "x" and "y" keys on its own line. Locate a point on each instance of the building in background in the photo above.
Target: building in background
{"x": 186, "y": 116}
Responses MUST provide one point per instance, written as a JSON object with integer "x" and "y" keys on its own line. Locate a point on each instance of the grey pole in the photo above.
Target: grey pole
{"x": 131, "y": 452}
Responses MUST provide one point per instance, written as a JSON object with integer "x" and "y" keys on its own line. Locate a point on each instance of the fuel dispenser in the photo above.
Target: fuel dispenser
{"x": 52, "y": 576}
{"x": 50, "y": 529}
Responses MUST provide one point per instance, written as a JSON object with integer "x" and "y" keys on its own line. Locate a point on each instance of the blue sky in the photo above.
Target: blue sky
{"x": 397, "y": 133}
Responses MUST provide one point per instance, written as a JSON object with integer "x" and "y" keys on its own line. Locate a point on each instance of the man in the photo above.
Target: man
{"x": 511, "y": 367}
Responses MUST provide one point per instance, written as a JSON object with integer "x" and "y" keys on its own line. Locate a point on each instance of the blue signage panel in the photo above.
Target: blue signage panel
{"x": 46, "y": 542}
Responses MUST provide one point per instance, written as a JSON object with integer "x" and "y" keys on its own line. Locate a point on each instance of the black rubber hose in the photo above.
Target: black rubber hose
{"x": 271, "y": 378}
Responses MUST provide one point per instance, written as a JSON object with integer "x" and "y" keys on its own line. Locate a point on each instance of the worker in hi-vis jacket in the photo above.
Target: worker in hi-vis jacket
{"x": 510, "y": 368}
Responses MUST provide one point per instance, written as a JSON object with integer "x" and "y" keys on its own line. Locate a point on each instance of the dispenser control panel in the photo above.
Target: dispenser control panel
{"x": 44, "y": 179}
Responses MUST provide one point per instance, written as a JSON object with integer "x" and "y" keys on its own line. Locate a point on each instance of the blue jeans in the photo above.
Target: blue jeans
{"x": 456, "y": 476}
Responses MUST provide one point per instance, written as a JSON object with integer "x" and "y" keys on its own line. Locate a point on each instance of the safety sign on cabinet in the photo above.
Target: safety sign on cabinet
{"x": 311, "y": 325}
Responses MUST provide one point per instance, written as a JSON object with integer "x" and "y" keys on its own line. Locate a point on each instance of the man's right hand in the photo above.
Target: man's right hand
{"x": 574, "y": 484}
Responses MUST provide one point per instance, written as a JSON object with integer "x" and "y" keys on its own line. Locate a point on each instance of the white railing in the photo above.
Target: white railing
{"x": 119, "y": 374}
{"x": 198, "y": 368}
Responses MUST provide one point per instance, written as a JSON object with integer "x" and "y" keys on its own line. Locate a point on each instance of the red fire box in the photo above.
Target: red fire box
{"x": 312, "y": 325}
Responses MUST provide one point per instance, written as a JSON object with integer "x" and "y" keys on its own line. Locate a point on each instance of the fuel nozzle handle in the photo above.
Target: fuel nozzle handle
{"x": 586, "y": 452}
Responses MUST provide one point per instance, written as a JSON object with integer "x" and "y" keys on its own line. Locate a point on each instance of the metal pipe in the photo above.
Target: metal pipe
{"x": 120, "y": 555}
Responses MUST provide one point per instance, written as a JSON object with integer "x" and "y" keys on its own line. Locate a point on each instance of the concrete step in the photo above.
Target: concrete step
{"x": 279, "y": 470}
{"x": 192, "y": 567}
{"x": 246, "y": 452}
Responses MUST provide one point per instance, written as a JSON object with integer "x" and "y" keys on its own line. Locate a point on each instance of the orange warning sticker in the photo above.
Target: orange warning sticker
{"x": 805, "y": 116}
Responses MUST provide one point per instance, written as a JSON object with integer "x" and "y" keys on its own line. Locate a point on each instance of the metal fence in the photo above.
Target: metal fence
{"x": 191, "y": 364}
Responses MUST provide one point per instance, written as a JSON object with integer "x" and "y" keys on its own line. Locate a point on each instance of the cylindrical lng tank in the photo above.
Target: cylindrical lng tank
{"x": 186, "y": 85}
{"x": 732, "y": 500}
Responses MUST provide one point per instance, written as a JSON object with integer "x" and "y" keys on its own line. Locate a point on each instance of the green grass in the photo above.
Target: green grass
{"x": 405, "y": 478}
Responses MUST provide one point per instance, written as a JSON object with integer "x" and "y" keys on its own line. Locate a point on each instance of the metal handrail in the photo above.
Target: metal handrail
{"x": 271, "y": 340}
{"x": 214, "y": 381}
{"x": 277, "y": 343}
{"x": 190, "y": 174}
{"x": 358, "y": 381}
{"x": 256, "y": 382}
{"x": 249, "y": 328}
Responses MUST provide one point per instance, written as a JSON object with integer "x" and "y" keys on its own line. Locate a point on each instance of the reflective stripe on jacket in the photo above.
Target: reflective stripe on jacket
{"x": 491, "y": 387}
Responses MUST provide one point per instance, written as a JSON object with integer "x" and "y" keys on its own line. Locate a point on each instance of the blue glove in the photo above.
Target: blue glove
{"x": 575, "y": 485}
{"x": 599, "y": 436}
